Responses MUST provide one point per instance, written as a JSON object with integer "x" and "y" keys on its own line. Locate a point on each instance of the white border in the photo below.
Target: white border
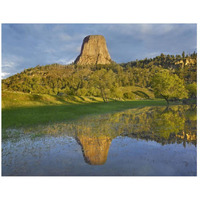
{"x": 104, "y": 11}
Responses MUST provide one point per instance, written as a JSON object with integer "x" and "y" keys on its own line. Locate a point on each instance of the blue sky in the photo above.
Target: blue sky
{"x": 28, "y": 45}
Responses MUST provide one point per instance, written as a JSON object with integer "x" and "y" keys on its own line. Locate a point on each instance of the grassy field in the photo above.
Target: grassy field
{"x": 29, "y": 116}
{"x": 11, "y": 99}
{"x": 26, "y": 110}
{"x": 20, "y": 99}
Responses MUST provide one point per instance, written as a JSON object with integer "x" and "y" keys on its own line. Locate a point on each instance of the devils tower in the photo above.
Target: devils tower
{"x": 93, "y": 51}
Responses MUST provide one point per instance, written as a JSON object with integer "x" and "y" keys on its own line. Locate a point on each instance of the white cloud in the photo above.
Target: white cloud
{"x": 65, "y": 61}
{"x": 11, "y": 61}
{"x": 153, "y": 54}
{"x": 11, "y": 65}
{"x": 4, "y": 75}
{"x": 8, "y": 64}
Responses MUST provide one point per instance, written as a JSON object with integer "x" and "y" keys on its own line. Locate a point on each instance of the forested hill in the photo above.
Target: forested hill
{"x": 184, "y": 66}
{"x": 108, "y": 81}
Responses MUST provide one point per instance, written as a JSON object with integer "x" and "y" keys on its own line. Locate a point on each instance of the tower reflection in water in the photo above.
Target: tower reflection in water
{"x": 95, "y": 149}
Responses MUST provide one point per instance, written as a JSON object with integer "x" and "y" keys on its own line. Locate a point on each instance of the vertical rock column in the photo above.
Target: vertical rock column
{"x": 94, "y": 51}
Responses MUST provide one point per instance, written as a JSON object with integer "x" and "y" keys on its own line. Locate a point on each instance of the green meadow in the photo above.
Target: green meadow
{"x": 22, "y": 110}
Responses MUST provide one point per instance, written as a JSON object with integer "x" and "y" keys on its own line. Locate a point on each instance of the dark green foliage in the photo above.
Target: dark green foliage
{"x": 183, "y": 54}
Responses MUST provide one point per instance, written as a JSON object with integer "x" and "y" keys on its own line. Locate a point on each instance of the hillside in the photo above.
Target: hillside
{"x": 184, "y": 66}
{"x": 130, "y": 80}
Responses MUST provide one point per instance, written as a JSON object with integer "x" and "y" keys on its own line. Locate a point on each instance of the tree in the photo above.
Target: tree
{"x": 183, "y": 54}
{"x": 168, "y": 86}
{"x": 192, "y": 90}
{"x": 103, "y": 80}
{"x": 178, "y": 57}
{"x": 78, "y": 78}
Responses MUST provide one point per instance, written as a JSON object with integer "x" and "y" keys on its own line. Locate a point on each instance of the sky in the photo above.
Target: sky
{"x": 29, "y": 45}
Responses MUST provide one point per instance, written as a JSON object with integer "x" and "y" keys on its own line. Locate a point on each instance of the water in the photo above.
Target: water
{"x": 149, "y": 141}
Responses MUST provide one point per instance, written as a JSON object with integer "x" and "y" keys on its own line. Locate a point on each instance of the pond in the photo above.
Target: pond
{"x": 146, "y": 141}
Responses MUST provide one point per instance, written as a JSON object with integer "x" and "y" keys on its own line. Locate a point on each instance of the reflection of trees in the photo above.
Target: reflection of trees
{"x": 166, "y": 126}
{"x": 167, "y": 123}
{"x": 177, "y": 124}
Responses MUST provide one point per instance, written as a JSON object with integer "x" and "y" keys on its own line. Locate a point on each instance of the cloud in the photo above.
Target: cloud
{"x": 152, "y": 54}
{"x": 65, "y": 61}
{"x": 11, "y": 61}
{"x": 4, "y": 75}
{"x": 8, "y": 64}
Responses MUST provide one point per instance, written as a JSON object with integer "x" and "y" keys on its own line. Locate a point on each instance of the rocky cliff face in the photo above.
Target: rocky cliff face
{"x": 188, "y": 61}
{"x": 93, "y": 51}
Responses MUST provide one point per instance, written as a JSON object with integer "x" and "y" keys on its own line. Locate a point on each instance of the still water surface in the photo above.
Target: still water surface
{"x": 137, "y": 142}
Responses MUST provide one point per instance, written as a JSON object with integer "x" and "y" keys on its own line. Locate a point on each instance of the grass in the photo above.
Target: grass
{"x": 27, "y": 110}
{"x": 140, "y": 93}
{"x": 19, "y": 99}
{"x": 11, "y": 99}
{"x": 34, "y": 115}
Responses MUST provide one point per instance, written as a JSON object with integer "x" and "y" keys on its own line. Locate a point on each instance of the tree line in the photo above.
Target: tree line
{"x": 167, "y": 76}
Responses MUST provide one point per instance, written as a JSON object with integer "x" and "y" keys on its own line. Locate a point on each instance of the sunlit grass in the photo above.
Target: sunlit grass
{"x": 20, "y": 99}
{"x": 33, "y": 115}
{"x": 11, "y": 99}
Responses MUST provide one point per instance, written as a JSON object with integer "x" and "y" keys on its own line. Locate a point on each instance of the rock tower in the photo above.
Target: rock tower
{"x": 93, "y": 51}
